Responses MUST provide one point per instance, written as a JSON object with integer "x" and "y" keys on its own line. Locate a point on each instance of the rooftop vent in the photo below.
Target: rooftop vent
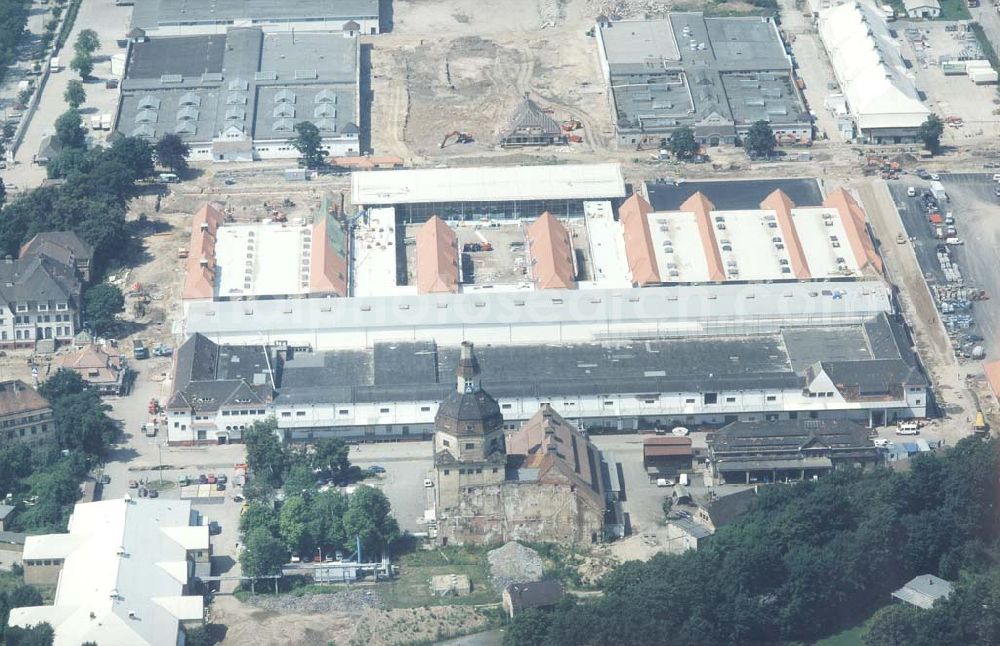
{"x": 171, "y": 78}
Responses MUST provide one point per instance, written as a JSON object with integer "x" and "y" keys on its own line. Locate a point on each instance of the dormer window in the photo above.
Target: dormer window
{"x": 61, "y": 307}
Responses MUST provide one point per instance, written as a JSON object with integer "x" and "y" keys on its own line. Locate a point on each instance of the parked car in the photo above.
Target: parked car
{"x": 428, "y": 482}
{"x": 238, "y": 498}
{"x": 153, "y": 493}
{"x": 132, "y": 484}
{"x": 219, "y": 486}
{"x": 202, "y": 479}
{"x": 376, "y": 469}
{"x": 211, "y": 479}
{"x": 222, "y": 478}
{"x": 105, "y": 479}
{"x": 183, "y": 481}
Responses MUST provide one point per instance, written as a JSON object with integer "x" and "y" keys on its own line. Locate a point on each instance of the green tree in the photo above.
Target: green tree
{"x": 309, "y": 143}
{"x": 293, "y": 525}
{"x": 199, "y": 636}
{"x": 266, "y": 456}
{"x": 82, "y": 64}
{"x": 331, "y": 457}
{"x": 369, "y": 516}
{"x": 299, "y": 478}
{"x": 24, "y": 596}
{"x": 894, "y": 625}
{"x": 69, "y": 130}
{"x": 930, "y": 133}
{"x": 67, "y": 162}
{"x": 683, "y": 144}
{"x": 264, "y": 554}
{"x": 87, "y": 42}
{"x": 38, "y": 635}
{"x": 259, "y": 514}
{"x": 101, "y": 303}
{"x": 75, "y": 95}
{"x": 172, "y": 152}
{"x": 667, "y": 506}
{"x": 79, "y": 414}
{"x": 136, "y": 156}
{"x": 759, "y": 140}
{"x": 326, "y": 513}
{"x": 530, "y": 629}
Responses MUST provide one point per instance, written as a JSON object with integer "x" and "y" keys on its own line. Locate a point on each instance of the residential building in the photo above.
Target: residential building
{"x": 879, "y": 99}
{"x": 685, "y": 534}
{"x": 178, "y": 18}
{"x": 39, "y": 299}
{"x": 539, "y": 595}
{"x": 923, "y": 591}
{"x": 721, "y": 511}
{"x": 123, "y": 574}
{"x": 785, "y": 450}
{"x": 529, "y": 125}
{"x": 716, "y": 76}
{"x": 104, "y": 369}
{"x": 6, "y": 515}
{"x": 65, "y": 247}
{"x": 218, "y": 392}
{"x": 542, "y": 482}
{"x": 25, "y": 416}
{"x": 237, "y": 95}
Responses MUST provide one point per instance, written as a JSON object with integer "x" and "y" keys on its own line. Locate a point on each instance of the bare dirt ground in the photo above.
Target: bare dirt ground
{"x": 248, "y": 625}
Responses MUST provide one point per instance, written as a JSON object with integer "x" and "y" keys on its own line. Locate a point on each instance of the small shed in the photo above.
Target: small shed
{"x": 534, "y": 594}
{"x": 666, "y": 455}
{"x": 6, "y": 513}
{"x": 922, "y": 591}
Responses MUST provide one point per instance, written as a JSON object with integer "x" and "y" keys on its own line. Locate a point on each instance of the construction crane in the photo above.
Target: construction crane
{"x": 461, "y": 137}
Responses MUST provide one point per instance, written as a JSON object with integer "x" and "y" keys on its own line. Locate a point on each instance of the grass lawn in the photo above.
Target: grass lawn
{"x": 849, "y": 637}
{"x": 955, "y": 10}
{"x": 412, "y": 588}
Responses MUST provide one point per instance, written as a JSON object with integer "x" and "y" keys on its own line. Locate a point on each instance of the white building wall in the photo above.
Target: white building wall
{"x": 369, "y": 25}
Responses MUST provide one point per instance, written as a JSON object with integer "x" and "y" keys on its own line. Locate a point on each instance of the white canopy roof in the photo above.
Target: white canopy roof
{"x": 870, "y": 68}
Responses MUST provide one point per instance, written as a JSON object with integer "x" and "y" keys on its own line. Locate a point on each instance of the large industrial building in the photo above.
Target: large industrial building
{"x": 124, "y": 574}
{"x": 184, "y": 17}
{"x": 237, "y": 95}
{"x": 716, "y": 76}
{"x": 863, "y": 370}
{"x": 878, "y": 101}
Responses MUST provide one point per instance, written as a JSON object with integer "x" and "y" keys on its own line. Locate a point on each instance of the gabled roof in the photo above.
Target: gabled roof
{"x": 728, "y": 509}
{"x": 534, "y": 594}
{"x": 639, "y": 241}
{"x": 63, "y": 246}
{"x": 527, "y": 115}
{"x": 38, "y": 277}
{"x": 702, "y": 208}
{"x": 551, "y": 253}
{"x": 782, "y": 205}
{"x": 199, "y": 279}
{"x": 853, "y": 218}
{"x": 922, "y": 591}
{"x": 328, "y": 263}
{"x": 437, "y": 257}
{"x": 18, "y": 398}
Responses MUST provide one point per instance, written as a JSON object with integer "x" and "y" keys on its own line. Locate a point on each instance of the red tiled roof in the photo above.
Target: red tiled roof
{"x": 853, "y": 218}
{"x": 327, "y": 267}
{"x": 551, "y": 253}
{"x": 199, "y": 279}
{"x": 782, "y": 205}
{"x": 437, "y": 258}
{"x": 702, "y": 209}
{"x": 639, "y": 241}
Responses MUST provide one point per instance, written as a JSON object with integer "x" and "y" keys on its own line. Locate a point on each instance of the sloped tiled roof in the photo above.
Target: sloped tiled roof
{"x": 853, "y": 218}
{"x": 551, "y": 253}
{"x": 782, "y": 205}
{"x": 199, "y": 279}
{"x": 639, "y": 241}
{"x": 328, "y": 263}
{"x": 527, "y": 115}
{"x": 437, "y": 258}
{"x": 702, "y": 208}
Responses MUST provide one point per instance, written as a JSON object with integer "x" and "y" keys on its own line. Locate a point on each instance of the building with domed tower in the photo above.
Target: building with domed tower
{"x": 544, "y": 481}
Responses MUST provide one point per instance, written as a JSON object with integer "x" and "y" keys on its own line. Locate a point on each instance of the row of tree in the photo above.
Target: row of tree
{"x": 13, "y": 18}
{"x": 758, "y": 142}
{"x": 808, "y": 560}
{"x": 301, "y": 518}
{"x": 14, "y": 594}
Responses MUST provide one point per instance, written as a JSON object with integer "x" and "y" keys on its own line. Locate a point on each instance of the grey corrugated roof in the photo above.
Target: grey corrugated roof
{"x": 775, "y": 463}
{"x": 924, "y": 590}
{"x": 691, "y": 527}
{"x": 728, "y": 509}
{"x": 151, "y": 14}
{"x": 759, "y": 437}
{"x": 874, "y": 376}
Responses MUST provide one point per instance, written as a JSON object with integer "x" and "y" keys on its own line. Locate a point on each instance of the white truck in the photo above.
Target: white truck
{"x": 106, "y": 121}
{"x": 937, "y": 190}
{"x": 54, "y": 65}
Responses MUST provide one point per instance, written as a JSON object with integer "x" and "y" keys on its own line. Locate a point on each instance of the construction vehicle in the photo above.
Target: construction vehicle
{"x": 461, "y": 138}
{"x": 574, "y": 139}
{"x": 571, "y": 125}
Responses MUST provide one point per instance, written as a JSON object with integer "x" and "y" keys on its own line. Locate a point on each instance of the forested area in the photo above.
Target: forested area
{"x": 13, "y": 18}
{"x": 810, "y": 559}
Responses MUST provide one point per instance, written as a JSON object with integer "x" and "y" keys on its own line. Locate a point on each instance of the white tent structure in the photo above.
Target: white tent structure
{"x": 881, "y": 96}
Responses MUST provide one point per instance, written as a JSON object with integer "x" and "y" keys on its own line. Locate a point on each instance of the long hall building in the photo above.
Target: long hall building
{"x": 862, "y": 371}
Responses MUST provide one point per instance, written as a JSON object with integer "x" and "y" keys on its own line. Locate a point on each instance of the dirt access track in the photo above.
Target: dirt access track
{"x": 463, "y": 65}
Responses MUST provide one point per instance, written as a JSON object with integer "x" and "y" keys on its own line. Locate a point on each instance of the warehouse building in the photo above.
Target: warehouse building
{"x": 792, "y": 449}
{"x": 185, "y": 18}
{"x": 488, "y": 192}
{"x": 237, "y": 95}
{"x": 878, "y": 94}
{"x": 865, "y": 371}
{"x": 716, "y": 76}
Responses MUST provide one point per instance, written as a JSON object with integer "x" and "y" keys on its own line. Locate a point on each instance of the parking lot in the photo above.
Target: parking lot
{"x": 954, "y": 273}
{"x": 406, "y": 464}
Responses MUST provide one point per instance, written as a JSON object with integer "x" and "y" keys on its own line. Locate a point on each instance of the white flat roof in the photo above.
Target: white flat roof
{"x": 680, "y": 255}
{"x": 262, "y": 259}
{"x": 488, "y": 184}
{"x": 375, "y": 261}
{"x": 749, "y": 245}
{"x": 607, "y": 247}
{"x": 824, "y": 242}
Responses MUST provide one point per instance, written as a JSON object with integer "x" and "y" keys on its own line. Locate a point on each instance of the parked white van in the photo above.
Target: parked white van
{"x": 908, "y": 428}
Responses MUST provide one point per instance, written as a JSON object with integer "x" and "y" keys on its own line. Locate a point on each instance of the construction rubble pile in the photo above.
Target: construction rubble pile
{"x": 514, "y": 563}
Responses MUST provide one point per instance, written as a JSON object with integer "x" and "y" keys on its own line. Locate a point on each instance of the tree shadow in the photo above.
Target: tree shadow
{"x": 121, "y": 454}
{"x": 217, "y": 632}
{"x": 222, "y": 564}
